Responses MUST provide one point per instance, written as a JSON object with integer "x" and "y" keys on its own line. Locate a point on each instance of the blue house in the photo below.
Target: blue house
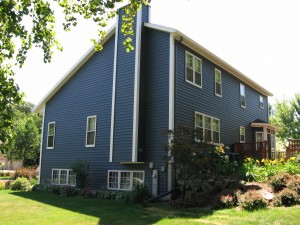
{"x": 111, "y": 107}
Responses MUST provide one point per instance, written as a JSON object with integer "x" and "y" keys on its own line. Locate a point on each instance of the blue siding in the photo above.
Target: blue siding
{"x": 190, "y": 98}
{"x": 87, "y": 93}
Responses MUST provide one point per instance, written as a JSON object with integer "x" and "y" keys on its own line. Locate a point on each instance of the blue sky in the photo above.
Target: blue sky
{"x": 260, "y": 38}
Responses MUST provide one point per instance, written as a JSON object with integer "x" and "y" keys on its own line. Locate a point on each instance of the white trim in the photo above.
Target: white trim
{"x": 71, "y": 72}
{"x": 112, "y": 125}
{"x": 59, "y": 173}
{"x": 160, "y": 28}
{"x": 149, "y": 14}
{"x": 194, "y": 70}
{"x": 53, "y": 122}
{"x": 241, "y": 127}
{"x": 41, "y": 146}
{"x": 86, "y": 131}
{"x": 135, "y": 133}
{"x": 119, "y": 178}
{"x": 219, "y": 95}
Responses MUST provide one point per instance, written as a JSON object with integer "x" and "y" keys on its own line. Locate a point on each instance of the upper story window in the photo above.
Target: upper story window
{"x": 242, "y": 95}
{"x": 207, "y": 128}
{"x": 193, "y": 69}
{"x": 91, "y": 131}
{"x": 51, "y": 135}
{"x": 218, "y": 83}
{"x": 242, "y": 135}
{"x": 261, "y": 102}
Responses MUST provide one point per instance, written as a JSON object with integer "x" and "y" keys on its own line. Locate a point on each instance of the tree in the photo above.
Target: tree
{"x": 18, "y": 37}
{"x": 286, "y": 115}
{"x": 25, "y": 136}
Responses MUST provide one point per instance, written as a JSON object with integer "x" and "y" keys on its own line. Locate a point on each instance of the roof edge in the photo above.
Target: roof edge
{"x": 39, "y": 107}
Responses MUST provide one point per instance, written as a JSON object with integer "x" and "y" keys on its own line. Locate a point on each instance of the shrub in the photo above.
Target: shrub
{"x": 294, "y": 185}
{"x": 29, "y": 173}
{"x": 252, "y": 200}
{"x": 137, "y": 195}
{"x": 286, "y": 197}
{"x": 81, "y": 169}
{"x": 21, "y": 183}
{"x": 88, "y": 193}
{"x": 69, "y": 191}
{"x": 279, "y": 181}
{"x": 226, "y": 201}
{"x": 54, "y": 189}
{"x": 4, "y": 174}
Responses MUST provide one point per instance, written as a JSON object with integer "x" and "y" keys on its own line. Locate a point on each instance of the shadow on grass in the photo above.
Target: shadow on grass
{"x": 114, "y": 212}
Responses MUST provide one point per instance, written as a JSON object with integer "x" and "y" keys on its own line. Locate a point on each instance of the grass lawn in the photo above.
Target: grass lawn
{"x": 42, "y": 208}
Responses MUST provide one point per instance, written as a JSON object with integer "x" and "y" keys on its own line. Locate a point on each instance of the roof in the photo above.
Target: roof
{"x": 178, "y": 36}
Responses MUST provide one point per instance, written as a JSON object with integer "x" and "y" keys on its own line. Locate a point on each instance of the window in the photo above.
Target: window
{"x": 242, "y": 95}
{"x": 207, "y": 128}
{"x": 63, "y": 177}
{"x": 261, "y": 102}
{"x": 218, "y": 83}
{"x": 124, "y": 180}
{"x": 51, "y": 135}
{"x": 91, "y": 131}
{"x": 193, "y": 69}
{"x": 259, "y": 140}
{"x": 242, "y": 135}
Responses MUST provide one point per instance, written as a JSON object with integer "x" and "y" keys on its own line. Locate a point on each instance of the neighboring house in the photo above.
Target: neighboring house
{"x": 112, "y": 106}
{"x": 9, "y": 164}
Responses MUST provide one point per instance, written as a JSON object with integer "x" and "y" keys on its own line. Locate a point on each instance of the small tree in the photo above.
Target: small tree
{"x": 81, "y": 169}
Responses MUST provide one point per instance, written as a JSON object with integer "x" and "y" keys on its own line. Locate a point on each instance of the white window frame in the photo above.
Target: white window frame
{"x": 220, "y": 83}
{"x": 119, "y": 178}
{"x": 50, "y": 123}
{"x": 59, "y": 177}
{"x": 242, "y": 95}
{"x": 261, "y": 102}
{"x": 262, "y": 138}
{"x": 203, "y": 127}
{"x": 87, "y": 131}
{"x": 194, "y": 69}
{"x": 243, "y": 128}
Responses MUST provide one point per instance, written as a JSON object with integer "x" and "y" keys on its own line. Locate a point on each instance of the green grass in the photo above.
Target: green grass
{"x": 6, "y": 178}
{"x": 43, "y": 208}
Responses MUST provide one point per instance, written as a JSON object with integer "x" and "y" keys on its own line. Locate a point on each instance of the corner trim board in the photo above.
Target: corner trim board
{"x": 112, "y": 125}
{"x": 135, "y": 134}
{"x": 41, "y": 147}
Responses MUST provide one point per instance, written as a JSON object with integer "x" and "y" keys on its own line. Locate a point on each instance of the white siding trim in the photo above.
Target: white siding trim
{"x": 41, "y": 146}
{"x": 171, "y": 104}
{"x": 112, "y": 125}
{"x": 135, "y": 133}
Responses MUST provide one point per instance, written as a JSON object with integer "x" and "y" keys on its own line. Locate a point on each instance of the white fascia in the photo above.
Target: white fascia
{"x": 41, "y": 146}
{"x": 135, "y": 134}
{"x": 112, "y": 125}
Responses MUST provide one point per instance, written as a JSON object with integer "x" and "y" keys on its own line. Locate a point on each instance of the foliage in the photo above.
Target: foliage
{"x": 286, "y": 197}
{"x": 24, "y": 136}
{"x": 279, "y": 181}
{"x": 286, "y": 115}
{"x": 81, "y": 170}
{"x": 27, "y": 172}
{"x": 227, "y": 201}
{"x": 255, "y": 170}
{"x": 252, "y": 200}
{"x": 137, "y": 195}
{"x": 21, "y": 183}
{"x": 294, "y": 184}
{"x": 4, "y": 174}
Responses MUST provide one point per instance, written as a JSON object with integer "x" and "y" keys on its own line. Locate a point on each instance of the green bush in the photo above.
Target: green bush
{"x": 138, "y": 195}
{"x": 69, "y": 191}
{"x": 252, "y": 200}
{"x": 226, "y": 201}
{"x": 279, "y": 181}
{"x": 21, "y": 183}
{"x": 81, "y": 169}
{"x": 286, "y": 197}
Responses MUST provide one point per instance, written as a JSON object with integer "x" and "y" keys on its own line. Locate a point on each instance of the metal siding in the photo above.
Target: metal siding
{"x": 156, "y": 78}
{"x": 87, "y": 93}
{"x": 190, "y": 98}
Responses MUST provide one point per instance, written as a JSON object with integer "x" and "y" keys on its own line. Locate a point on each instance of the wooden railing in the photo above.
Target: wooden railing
{"x": 293, "y": 147}
{"x": 257, "y": 150}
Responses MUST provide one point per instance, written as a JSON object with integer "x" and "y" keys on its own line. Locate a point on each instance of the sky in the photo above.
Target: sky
{"x": 260, "y": 38}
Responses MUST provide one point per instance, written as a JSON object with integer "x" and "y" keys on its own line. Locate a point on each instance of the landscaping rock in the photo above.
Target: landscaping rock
{"x": 207, "y": 188}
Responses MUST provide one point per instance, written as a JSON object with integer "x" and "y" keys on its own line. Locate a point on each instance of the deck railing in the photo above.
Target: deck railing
{"x": 293, "y": 147}
{"x": 257, "y": 150}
